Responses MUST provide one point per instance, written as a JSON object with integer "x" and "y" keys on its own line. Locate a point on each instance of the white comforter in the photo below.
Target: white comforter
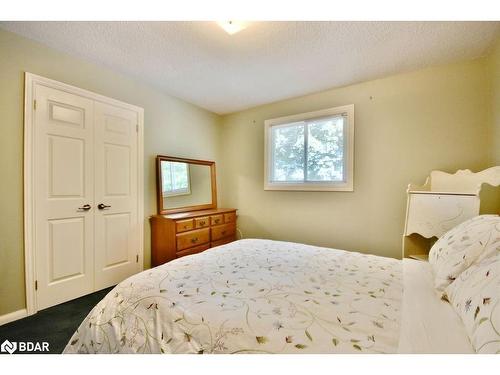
{"x": 252, "y": 296}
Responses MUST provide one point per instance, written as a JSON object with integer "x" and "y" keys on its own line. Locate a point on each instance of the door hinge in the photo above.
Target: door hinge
{"x": 34, "y": 104}
{"x": 137, "y": 258}
{"x": 137, "y": 128}
{"x": 36, "y": 284}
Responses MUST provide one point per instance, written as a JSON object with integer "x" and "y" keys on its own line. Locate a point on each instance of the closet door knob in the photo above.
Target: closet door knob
{"x": 85, "y": 207}
{"x": 102, "y": 206}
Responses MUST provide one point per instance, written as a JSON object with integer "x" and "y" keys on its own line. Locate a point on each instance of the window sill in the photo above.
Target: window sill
{"x": 309, "y": 187}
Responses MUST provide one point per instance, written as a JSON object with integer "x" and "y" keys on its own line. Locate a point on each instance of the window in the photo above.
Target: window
{"x": 175, "y": 179}
{"x": 310, "y": 151}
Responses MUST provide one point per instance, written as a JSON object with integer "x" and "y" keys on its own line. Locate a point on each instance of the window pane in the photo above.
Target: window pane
{"x": 325, "y": 151}
{"x": 288, "y": 153}
{"x": 180, "y": 176}
{"x": 166, "y": 176}
{"x": 175, "y": 178}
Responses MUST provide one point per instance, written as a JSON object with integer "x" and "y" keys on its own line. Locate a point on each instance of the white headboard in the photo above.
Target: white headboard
{"x": 463, "y": 181}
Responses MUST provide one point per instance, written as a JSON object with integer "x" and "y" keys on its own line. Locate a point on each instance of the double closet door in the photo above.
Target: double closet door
{"x": 86, "y": 194}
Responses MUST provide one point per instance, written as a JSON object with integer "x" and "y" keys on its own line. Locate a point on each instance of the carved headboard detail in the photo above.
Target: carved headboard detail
{"x": 444, "y": 201}
{"x": 463, "y": 181}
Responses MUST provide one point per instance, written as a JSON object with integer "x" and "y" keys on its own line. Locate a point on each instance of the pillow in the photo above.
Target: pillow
{"x": 457, "y": 249}
{"x": 475, "y": 296}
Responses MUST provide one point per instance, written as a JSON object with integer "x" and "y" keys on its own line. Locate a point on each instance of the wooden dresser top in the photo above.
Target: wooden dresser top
{"x": 191, "y": 214}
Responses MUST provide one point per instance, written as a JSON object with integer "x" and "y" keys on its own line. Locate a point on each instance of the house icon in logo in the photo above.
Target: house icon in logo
{"x": 8, "y": 346}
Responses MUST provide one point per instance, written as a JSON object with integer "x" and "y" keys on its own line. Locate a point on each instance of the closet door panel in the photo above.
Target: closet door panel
{"x": 64, "y": 181}
{"x": 116, "y": 223}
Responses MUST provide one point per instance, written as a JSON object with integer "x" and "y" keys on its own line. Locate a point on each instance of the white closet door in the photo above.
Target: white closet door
{"x": 64, "y": 195}
{"x": 116, "y": 222}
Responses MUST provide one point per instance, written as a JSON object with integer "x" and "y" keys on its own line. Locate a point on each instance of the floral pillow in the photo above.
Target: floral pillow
{"x": 457, "y": 249}
{"x": 475, "y": 295}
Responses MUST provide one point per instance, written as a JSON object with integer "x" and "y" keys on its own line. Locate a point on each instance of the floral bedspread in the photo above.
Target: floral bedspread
{"x": 252, "y": 296}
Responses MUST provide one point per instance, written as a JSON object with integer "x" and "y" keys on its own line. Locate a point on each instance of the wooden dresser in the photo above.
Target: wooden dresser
{"x": 179, "y": 234}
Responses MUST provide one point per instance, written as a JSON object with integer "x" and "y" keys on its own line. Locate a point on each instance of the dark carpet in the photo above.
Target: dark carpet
{"x": 55, "y": 325}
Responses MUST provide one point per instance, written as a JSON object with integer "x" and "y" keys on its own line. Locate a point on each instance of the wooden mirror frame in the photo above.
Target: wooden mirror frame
{"x": 159, "y": 196}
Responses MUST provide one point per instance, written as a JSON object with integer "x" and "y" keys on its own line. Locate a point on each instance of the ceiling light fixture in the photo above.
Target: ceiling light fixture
{"x": 232, "y": 27}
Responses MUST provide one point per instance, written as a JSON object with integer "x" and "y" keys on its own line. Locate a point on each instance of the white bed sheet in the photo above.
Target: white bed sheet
{"x": 428, "y": 324}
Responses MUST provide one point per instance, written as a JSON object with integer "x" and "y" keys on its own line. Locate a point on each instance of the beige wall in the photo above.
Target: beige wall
{"x": 406, "y": 125}
{"x": 169, "y": 128}
{"x": 495, "y": 100}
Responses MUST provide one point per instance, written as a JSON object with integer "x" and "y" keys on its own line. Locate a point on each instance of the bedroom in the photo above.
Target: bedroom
{"x": 407, "y": 98}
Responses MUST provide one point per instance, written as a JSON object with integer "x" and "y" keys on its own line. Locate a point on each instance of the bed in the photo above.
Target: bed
{"x": 262, "y": 296}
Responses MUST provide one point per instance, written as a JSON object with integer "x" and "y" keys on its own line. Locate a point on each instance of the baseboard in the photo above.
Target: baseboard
{"x": 15, "y": 315}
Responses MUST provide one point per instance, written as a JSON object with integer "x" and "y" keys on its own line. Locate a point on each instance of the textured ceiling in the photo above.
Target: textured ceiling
{"x": 266, "y": 62}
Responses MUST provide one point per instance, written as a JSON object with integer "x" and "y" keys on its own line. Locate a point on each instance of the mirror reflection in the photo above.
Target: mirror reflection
{"x": 185, "y": 184}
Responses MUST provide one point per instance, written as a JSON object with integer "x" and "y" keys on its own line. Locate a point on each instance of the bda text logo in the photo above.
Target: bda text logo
{"x": 24, "y": 346}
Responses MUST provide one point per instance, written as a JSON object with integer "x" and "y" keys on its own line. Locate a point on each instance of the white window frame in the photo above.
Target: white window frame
{"x": 346, "y": 185}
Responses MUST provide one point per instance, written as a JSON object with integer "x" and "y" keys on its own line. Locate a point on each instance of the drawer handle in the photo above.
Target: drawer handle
{"x": 194, "y": 240}
{"x": 216, "y": 221}
{"x": 223, "y": 232}
{"x": 202, "y": 223}
{"x": 185, "y": 226}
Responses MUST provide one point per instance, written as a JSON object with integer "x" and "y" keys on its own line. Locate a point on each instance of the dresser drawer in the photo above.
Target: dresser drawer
{"x": 201, "y": 222}
{"x": 230, "y": 217}
{"x": 184, "y": 225}
{"x": 193, "y": 238}
{"x": 222, "y": 242}
{"x": 222, "y": 231}
{"x": 216, "y": 219}
{"x": 192, "y": 250}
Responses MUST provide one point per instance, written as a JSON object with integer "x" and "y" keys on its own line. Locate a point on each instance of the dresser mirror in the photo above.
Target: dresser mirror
{"x": 185, "y": 184}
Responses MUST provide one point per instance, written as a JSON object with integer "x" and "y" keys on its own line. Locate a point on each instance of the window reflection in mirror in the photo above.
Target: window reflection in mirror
{"x": 175, "y": 179}
{"x": 185, "y": 184}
